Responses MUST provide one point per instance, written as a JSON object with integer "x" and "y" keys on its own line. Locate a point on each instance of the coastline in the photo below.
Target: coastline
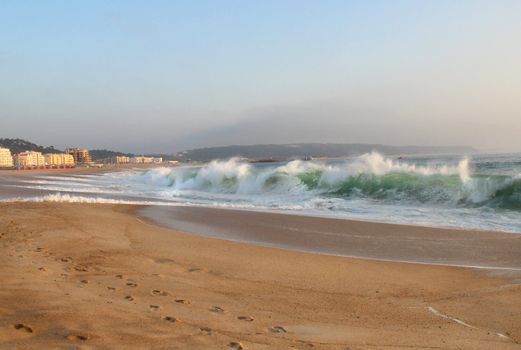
{"x": 98, "y": 276}
{"x": 458, "y": 247}
{"x": 407, "y": 243}
{"x": 82, "y": 169}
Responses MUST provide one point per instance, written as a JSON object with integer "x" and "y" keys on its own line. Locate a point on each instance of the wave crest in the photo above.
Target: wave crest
{"x": 370, "y": 176}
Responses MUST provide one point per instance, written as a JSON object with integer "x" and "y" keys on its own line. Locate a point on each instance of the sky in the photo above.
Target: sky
{"x": 165, "y": 76}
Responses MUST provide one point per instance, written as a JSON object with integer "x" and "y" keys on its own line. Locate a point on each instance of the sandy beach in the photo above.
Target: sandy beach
{"x": 260, "y": 175}
{"x": 98, "y": 276}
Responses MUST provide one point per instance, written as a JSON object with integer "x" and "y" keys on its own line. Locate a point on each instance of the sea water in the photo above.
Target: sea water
{"x": 478, "y": 191}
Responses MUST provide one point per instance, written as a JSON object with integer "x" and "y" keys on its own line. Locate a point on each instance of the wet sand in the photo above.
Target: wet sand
{"x": 405, "y": 243}
{"x": 402, "y": 243}
{"x": 97, "y": 276}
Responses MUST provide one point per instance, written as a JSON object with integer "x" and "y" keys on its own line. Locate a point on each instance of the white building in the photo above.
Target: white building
{"x": 120, "y": 160}
{"x": 141, "y": 160}
{"x": 6, "y": 159}
{"x": 158, "y": 160}
{"x": 29, "y": 159}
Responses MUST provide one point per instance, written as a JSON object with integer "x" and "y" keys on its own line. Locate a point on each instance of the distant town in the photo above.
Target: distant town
{"x": 72, "y": 157}
{"x": 24, "y": 155}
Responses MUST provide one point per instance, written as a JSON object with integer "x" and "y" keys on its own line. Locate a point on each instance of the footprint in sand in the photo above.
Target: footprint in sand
{"x": 84, "y": 281}
{"x": 80, "y": 268}
{"x": 42, "y": 269}
{"x": 23, "y": 327}
{"x": 159, "y": 292}
{"x": 217, "y": 309}
{"x": 171, "y": 319}
{"x": 154, "y": 307}
{"x": 119, "y": 276}
{"x": 111, "y": 289}
{"x": 246, "y": 318}
{"x": 183, "y": 301}
{"x": 307, "y": 345}
{"x": 129, "y": 298}
{"x": 76, "y": 337}
{"x": 132, "y": 284}
{"x": 236, "y": 345}
{"x": 278, "y": 329}
{"x": 206, "y": 330}
{"x": 194, "y": 269}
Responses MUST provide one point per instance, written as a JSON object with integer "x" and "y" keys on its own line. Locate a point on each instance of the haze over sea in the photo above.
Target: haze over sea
{"x": 481, "y": 191}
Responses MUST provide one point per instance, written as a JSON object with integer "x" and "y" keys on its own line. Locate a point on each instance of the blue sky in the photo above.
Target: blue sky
{"x": 168, "y": 75}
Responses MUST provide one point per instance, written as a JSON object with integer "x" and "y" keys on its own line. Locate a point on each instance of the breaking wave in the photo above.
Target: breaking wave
{"x": 483, "y": 192}
{"x": 370, "y": 176}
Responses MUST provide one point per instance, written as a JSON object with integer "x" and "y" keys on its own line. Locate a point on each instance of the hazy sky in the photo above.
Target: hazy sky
{"x": 146, "y": 76}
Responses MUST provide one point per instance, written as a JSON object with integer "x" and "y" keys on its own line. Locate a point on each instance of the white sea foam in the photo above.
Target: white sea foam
{"x": 433, "y": 192}
{"x": 233, "y": 176}
{"x": 67, "y": 198}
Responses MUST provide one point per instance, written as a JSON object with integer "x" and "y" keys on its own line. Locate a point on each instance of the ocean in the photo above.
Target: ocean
{"x": 478, "y": 191}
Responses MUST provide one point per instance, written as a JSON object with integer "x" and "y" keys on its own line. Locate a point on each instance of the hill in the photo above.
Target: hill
{"x": 99, "y": 154}
{"x": 19, "y": 145}
{"x": 102, "y": 154}
{"x": 303, "y": 150}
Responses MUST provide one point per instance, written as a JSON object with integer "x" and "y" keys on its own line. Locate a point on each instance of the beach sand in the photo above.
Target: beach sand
{"x": 97, "y": 276}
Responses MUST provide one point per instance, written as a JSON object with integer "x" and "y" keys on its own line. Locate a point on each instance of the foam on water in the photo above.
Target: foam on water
{"x": 67, "y": 198}
{"x": 436, "y": 191}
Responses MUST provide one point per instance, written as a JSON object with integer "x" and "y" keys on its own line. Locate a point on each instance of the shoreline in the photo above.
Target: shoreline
{"x": 13, "y": 182}
{"x": 98, "y": 276}
{"x": 82, "y": 169}
{"x": 389, "y": 242}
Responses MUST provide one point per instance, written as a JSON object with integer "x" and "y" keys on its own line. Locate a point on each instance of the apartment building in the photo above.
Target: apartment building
{"x": 6, "y": 159}
{"x": 80, "y": 155}
{"x": 59, "y": 159}
{"x": 29, "y": 159}
{"x": 120, "y": 160}
{"x": 141, "y": 160}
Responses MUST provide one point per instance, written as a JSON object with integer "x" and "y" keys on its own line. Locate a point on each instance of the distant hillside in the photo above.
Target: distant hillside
{"x": 99, "y": 154}
{"x": 301, "y": 150}
{"x": 19, "y": 145}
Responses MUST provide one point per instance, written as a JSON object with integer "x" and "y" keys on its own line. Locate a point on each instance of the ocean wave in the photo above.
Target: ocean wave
{"x": 370, "y": 176}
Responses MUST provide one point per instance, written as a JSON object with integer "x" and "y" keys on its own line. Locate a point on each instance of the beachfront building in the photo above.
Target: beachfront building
{"x": 136, "y": 160}
{"x": 120, "y": 160}
{"x": 141, "y": 160}
{"x": 29, "y": 159}
{"x": 157, "y": 160}
{"x": 80, "y": 155}
{"x": 59, "y": 159}
{"x": 6, "y": 159}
